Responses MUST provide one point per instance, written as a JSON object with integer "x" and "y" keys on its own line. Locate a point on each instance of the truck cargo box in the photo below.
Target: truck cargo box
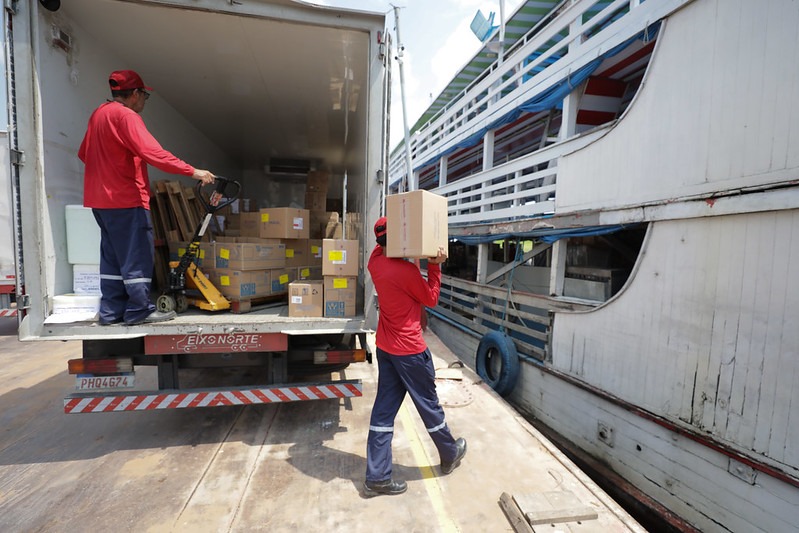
{"x": 263, "y": 92}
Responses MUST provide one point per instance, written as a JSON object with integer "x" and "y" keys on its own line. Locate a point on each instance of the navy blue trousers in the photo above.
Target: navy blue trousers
{"x": 397, "y": 375}
{"x": 127, "y": 256}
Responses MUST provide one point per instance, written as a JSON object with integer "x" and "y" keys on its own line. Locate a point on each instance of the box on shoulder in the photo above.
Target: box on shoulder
{"x": 284, "y": 223}
{"x": 306, "y": 298}
{"x": 416, "y": 224}
{"x": 340, "y": 257}
{"x": 241, "y": 284}
{"x": 256, "y": 255}
{"x": 340, "y": 296}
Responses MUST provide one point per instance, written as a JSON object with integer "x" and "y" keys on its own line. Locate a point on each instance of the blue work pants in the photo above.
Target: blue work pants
{"x": 127, "y": 256}
{"x": 397, "y": 375}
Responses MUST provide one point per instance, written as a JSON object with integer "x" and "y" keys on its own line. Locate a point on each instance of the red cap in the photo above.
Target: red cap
{"x": 380, "y": 227}
{"x": 122, "y": 80}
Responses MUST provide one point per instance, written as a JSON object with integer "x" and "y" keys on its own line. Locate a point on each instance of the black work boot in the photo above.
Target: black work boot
{"x": 446, "y": 467}
{"x": 389, "y": 486}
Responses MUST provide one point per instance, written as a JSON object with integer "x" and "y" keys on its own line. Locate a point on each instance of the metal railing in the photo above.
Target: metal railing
{"x": 575, "y": 36}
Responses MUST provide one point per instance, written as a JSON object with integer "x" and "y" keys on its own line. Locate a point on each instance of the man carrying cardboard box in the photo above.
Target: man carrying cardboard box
{"x": 404, "y": 364}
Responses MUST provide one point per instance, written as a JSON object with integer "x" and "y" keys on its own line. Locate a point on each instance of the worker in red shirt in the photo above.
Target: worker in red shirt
{"x": 404, "y": 364}
{"x": 116, "y": 151}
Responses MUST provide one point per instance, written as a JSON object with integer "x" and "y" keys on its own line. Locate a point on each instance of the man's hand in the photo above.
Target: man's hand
{"x": 204, "y": 176}
{"x": 440, "y": 258}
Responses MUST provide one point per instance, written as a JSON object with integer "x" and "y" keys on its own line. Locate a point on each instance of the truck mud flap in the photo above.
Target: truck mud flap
{"x": 184, "y": 399}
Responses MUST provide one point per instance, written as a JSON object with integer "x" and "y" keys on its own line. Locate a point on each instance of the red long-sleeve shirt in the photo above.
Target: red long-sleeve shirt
{"x": 401, "y": 292}
{"x": 115, "y": 151}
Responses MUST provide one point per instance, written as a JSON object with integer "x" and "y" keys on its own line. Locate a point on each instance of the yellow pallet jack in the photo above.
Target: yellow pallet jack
{"x": 184, "y": 274}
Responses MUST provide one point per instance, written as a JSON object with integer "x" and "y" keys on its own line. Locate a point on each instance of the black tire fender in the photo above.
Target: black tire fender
{"x": 497, "y": 362}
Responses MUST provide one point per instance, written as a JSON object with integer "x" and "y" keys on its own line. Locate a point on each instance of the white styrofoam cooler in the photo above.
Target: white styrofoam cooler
{"x": 83, "y": 236}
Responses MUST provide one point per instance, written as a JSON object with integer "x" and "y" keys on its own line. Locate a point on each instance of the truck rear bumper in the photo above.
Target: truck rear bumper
{"x": 188, "y": 398}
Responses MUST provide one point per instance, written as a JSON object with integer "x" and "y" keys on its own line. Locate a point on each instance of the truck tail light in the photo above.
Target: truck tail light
{"x": 100, "y": 366}
{"x": 340, "y": 356}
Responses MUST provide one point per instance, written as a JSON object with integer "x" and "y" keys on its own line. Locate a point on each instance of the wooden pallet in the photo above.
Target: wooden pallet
{"x": 245, "y": 305}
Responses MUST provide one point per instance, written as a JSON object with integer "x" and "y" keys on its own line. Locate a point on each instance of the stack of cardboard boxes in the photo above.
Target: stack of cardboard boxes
{"x": 309, "y": 254}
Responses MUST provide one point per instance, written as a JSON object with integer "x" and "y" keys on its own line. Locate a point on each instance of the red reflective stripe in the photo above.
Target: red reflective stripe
{"x": 279, "y": 394}
{"x": 263, "y": 397}
{"x": 71, "y": 404}
{"x": 195, "y": 401}
{"x": 116, "y": 401}
{"x": 174, "y": 403}
{"x": 241, "y": 396}
{"x": 157, "y": 401}
{"x": 353, "y": 389}
{"x": 92, "y": 404}
{"x": 298, "y": 392}
{"x": 135, "y": 403}
{"x": 337, "y": 391}
{"x": 318, "y": 392}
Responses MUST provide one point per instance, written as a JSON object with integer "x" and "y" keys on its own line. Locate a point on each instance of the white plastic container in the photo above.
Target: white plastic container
{"x": 76, "y": 303}
{"x": 83, "y": 236}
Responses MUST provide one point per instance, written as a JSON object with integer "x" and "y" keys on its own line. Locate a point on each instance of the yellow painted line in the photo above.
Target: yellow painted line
{"x": 429, "y": 477}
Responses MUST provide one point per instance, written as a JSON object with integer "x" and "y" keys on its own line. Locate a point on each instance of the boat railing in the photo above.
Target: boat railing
{"x": 521, "y": 188}
{"x": 575, "y": 36}
{"x": 528, "y": 70}
{"x": 480, "y": 308}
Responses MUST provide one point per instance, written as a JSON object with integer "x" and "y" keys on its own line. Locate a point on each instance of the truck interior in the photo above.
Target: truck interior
{"x": 251, "y": 97}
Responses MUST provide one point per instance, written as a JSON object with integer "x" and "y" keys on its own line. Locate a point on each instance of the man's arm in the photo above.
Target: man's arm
{"x": 427, "y": 292}
{"x": 144, "y": 145}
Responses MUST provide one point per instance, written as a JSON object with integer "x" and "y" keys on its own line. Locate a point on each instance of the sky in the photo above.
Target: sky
{"x": 437, "y": 41}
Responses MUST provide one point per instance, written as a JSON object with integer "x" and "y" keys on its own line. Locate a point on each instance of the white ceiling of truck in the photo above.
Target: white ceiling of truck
{"x": 259, "y": 88}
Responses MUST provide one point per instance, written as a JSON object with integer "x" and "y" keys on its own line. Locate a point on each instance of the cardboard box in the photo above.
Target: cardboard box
{"x": 319, "y": 221}
{"x": 205, "y": 254}
{"x": 250, "y": 224}
{"x": 296, "y": 252}
{"x": 340, "y": 294}
{"x": 250, "y": 256}
{"x": 340, "y": 258}
{"x": 86, "y": 279}
{"x": 281, "y": 278}
{"x": 417, "y": 224}
{"x": 305, "y": 298}
{"x": 309, "y": 272}
{"x": 241, "y": 284}
{"x": 314, "y": 252}
{"x": 333, "y": 230}
{"x": 284, "y": 223}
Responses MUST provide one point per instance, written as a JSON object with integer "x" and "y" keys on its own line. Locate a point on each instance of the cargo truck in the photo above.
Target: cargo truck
{"x": 258, "y": 91}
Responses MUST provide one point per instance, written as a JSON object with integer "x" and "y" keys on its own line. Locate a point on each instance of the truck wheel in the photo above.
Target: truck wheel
{"x": 497, "y": 362}
{"x": 165, "y": 303}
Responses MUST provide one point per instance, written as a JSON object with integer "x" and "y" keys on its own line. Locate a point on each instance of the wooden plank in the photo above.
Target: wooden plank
{"x": 554, "y": 507}
{"x": 513, "y": 513}
{"x": 174, "y": 191}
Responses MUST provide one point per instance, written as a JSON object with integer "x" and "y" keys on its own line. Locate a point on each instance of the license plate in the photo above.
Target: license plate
{"x": 123, "y": 381}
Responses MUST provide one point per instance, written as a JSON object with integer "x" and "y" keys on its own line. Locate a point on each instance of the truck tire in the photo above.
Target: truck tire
{"x": 497, "y": 362}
